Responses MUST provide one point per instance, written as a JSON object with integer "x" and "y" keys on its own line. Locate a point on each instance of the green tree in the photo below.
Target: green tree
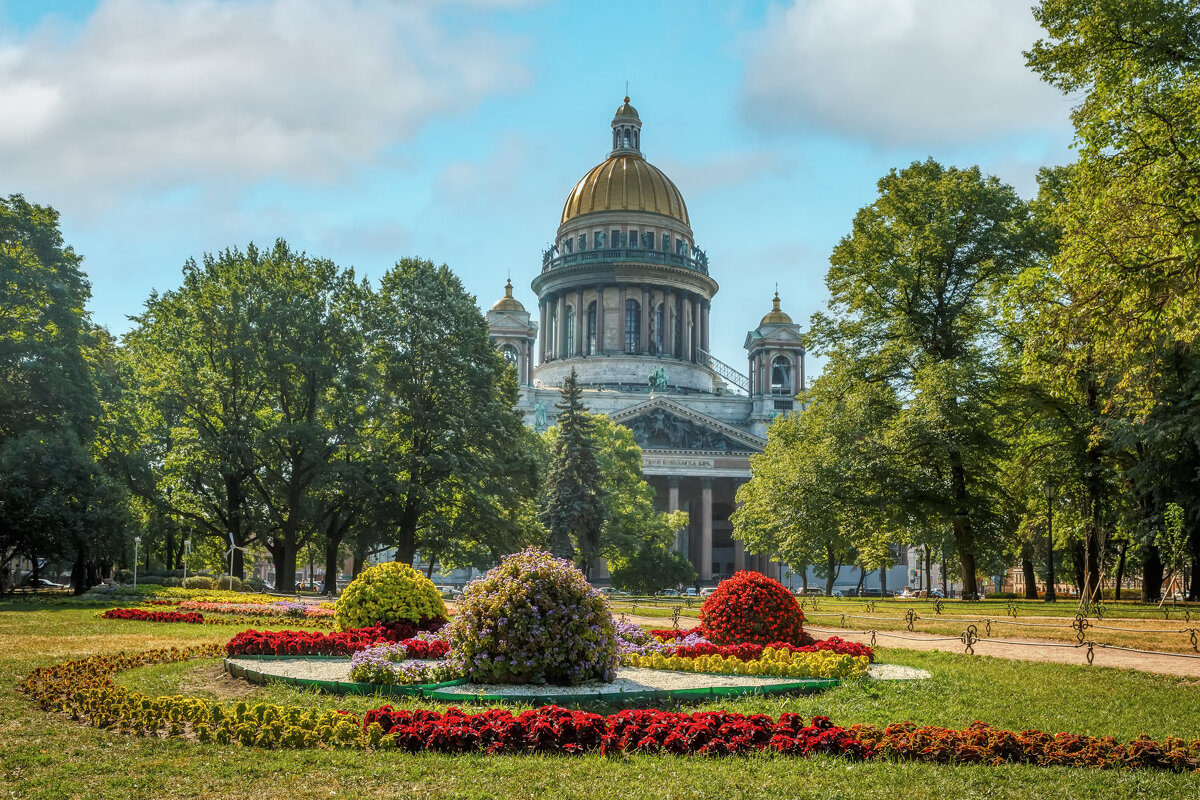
{"x": 1130, "y": 252}
{"x": 573, "y": 508}
{"x": 199, "y": 383}
{"x": 459, "y": 474}
{"x": 55, "y": 500}
{"x": 636, "y": 540}
{"x": 813, "y": 497}
{"x": 915, "y": 293}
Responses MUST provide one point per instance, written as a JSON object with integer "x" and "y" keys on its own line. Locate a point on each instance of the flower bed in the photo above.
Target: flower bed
{"x": 750, "y": 607}
{"x": 84, "y": 690}
{"x": 283, "y": 608}
{"x": 980, "y": 743}
{"x": 770, "y": 661}
{"x": 305, "y": 643}
{"x": 691, "y": 643}
{"x": 152, "y": 616}
{"x": 402, "y": 663}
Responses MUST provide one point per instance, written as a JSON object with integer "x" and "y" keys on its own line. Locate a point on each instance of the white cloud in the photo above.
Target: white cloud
{"x": 724, "y": 171}
{"x": 152, "y": 92}
{"x": 900, "y": 72}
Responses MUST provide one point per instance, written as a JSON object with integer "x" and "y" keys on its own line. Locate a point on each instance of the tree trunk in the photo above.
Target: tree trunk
{"x": 79, "y": 573}
{"x": 406, "y": 535}
{"x": 1152, "y": 574}
{"x": 882, "y": 580}
{"x": 1194, "y": 590}
{"x": 961, "y": 526}
{"x": 862, "y": 575}
{"x": 928, "y": 571}
{"x": 830, "y": 570}
{"x": 332, "y": 568}
{"x": 1031, "y": 592}
{"x": 1120, "y": 570}
{"x": 1077, "y": 561}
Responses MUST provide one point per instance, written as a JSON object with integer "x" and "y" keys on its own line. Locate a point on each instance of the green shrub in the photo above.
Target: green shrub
{"x": 200, "y": 582}
{"x": 533, "y": 619}
{"x": 389, "y": 592}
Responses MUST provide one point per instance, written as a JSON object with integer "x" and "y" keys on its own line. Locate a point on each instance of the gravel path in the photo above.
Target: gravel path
{"x": 629, "y": 679}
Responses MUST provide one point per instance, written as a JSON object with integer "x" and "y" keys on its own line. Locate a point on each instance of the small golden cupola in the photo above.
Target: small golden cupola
{"x": 508, "y": 302}
{"x": 776, "y": 316}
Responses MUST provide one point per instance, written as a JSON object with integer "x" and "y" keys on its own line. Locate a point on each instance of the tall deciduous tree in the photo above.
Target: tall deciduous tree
{"x": 55, "y": 500}
{"x": 814, "y": 496}
{"x": 458, "y": 469}
{"x": 573, "y": 509}
{"x": 1129, "y": 259}
{"x": 915, "y": 291}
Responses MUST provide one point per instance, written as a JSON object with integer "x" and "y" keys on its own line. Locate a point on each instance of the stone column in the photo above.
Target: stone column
{"x": 739, "y": 555}
{"x": 695, "y": 329}
{"x": 644, "y": 344}
{"x": 706, "y": 537}
{"x": 800, "y": 358}
{"x": 685, "y": 313}
{"x": 600, "y": 319}
{"x": 620, "y": 348}
{"x": 704, "y": 308}
{"x": 580, "y": 319}
{"x": 668, "y": 334}
{"x": 560, "y": 328}
{"x": 672, "y": 506}
{"x": 542, "y": 331}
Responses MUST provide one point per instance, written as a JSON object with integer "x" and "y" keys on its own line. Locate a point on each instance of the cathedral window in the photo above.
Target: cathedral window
{"x": 591, "y": 328}
{"x": 633, "y": 325}
{"x": 510, "y": 354}
{"x": 552, "y": 333}
{"x": 569, "y": 323}
{"x": 656, "y": 333}
{"x": 666, "y": 242}
{"x": 633, "y": 238}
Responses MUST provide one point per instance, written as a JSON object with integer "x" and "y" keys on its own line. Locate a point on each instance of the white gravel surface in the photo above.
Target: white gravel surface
{"x": 629, "y": 679}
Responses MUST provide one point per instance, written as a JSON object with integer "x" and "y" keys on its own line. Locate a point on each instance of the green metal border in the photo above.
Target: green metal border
{"x": 444, "y": 691}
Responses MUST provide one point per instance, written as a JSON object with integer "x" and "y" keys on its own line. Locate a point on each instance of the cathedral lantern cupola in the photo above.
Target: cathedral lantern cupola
{"x": 627, "y": 131}
{"x": 776, "y": 359}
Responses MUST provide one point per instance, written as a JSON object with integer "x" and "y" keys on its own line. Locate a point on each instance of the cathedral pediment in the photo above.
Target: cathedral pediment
{"x": 660, "y": 424}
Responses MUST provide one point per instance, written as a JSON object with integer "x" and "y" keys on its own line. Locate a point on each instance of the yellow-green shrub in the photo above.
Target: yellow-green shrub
{"x": 389, "y": 592}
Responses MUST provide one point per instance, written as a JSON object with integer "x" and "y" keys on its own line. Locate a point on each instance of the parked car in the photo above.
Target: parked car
{"x": 872, "y": 593}
{"x": 692, "y": 591}
{"x": 40, "y": 583}
{"x": 668, "y": 593}
{"x": 937, "y": 593}
{"x": 814, "y": 591}
{"x": 837, "y": 593}
{"x": 707, "y": 590}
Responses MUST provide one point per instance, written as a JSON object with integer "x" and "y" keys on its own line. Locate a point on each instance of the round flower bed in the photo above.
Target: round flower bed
{"x": 533, "y": 619}
{"x": 752, "y": 608}
{"x": 390, "y": 593}
{"x": 83, "y": 690}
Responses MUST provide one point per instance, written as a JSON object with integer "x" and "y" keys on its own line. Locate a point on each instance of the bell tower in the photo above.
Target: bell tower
{"x": 776, "y": 354}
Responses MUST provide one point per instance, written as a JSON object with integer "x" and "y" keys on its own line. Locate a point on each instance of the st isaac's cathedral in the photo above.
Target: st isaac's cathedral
{"x": 624, "y": 296}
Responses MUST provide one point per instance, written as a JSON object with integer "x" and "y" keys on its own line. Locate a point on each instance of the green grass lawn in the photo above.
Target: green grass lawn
{"x": 46, "y": 756}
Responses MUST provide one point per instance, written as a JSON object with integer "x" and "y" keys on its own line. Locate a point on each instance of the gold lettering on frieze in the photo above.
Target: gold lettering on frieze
{"x": 662, "y": 461}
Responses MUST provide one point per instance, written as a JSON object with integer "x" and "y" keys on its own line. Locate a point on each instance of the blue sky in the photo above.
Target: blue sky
{"x": 369, "y": 130}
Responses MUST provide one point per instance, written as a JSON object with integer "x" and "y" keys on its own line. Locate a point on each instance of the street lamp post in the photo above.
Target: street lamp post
{"x": 1051, "y": 596}
{"x": 187, "y": 551}
{"x": 136, "y": 541}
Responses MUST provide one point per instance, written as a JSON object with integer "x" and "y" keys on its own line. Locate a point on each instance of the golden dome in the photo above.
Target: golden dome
{"x": 776, "y": 315}
{"x": 508, "y": 302}
{"x": 625, "y": 182}
{"x": 627, "y": 110}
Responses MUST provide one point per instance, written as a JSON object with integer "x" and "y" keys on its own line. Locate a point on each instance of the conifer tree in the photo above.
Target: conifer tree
{"x": 573, "y": 509}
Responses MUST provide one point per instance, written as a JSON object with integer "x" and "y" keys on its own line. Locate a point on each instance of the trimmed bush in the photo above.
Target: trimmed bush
{"x": 752, "y": 608}
{"x": 392, "y": 592}
{"x": 533, "y": 619}
{"x": 199, "y": 582}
